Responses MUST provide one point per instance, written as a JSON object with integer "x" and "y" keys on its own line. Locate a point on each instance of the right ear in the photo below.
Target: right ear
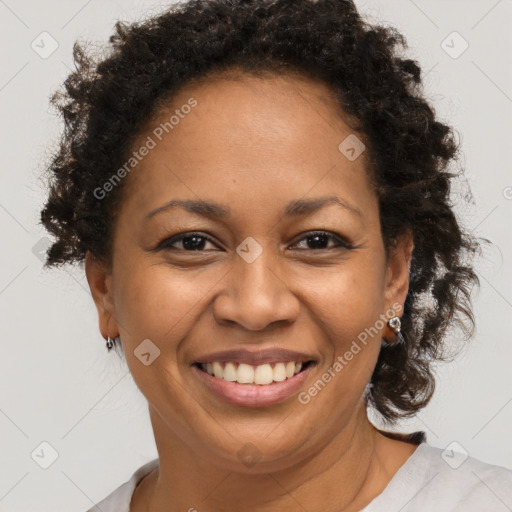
{"x": 99, "y": 278}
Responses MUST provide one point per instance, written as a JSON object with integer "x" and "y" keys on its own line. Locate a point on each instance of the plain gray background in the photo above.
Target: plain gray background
{"x": 58, "y": 383}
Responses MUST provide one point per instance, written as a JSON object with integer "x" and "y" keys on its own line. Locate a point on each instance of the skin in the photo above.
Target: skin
{"x": 253, "y": 145}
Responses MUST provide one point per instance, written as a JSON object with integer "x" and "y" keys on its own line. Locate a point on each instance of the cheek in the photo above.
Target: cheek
{"x": 349, "y": 304}
{"x": 156, "y": 303}
{"x": 350, "y": 324}
{"x": 159, "y": 302}
{"x": 349, "y": 299}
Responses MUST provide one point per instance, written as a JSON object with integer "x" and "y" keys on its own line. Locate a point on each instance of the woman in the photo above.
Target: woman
{"x": 260, "y": 195}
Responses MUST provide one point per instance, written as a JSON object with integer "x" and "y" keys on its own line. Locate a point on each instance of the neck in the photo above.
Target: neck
{"x": 343, "y": 475}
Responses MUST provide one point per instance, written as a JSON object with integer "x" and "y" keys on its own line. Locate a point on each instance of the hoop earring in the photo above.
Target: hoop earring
{"x": 111, "y": 342}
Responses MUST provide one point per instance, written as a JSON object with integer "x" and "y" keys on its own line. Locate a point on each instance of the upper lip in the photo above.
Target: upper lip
{"x": 256, "y": 357}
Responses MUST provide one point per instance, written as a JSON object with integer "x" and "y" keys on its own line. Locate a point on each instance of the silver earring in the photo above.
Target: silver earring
{"x": 396, "y": 325}
{"x": 110, "y": 343}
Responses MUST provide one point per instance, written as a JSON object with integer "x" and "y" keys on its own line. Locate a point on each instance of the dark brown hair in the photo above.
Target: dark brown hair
{"x": 108, "y": 99}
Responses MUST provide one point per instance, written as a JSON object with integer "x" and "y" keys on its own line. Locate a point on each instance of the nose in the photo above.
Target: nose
{"x": 254, "y": 295}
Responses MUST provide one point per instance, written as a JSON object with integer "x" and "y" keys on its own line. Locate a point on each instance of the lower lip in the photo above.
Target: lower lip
{"x": 254, "y": 395}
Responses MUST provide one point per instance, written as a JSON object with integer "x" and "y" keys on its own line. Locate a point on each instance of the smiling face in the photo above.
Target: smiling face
{"x": 250, "y": 276}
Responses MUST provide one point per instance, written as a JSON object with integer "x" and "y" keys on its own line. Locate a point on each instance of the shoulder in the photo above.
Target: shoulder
{"x": 445, "y": 481}
{"x": 119, "y": 499}
{"x": 467, "y": 478}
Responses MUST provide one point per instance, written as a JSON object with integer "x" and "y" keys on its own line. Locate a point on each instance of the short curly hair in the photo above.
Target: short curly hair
{"x": 108, "y": 100}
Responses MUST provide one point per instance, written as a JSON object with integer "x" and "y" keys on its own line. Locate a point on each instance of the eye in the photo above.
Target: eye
{"x": 189, "y": 241}
{"x": 319, "y": 240}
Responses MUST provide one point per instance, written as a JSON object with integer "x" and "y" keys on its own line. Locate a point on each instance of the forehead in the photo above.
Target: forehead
{"x": 246, "y": 138}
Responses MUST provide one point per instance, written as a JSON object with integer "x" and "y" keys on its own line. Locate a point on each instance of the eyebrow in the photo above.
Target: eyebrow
{"x": 212, "y": 210}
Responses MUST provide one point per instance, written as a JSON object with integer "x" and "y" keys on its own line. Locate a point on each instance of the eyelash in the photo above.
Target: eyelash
{"x": 341, "y": 243}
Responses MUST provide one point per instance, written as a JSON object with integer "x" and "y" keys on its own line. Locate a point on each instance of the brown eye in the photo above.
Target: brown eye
{"x": 315, "y": 240}
{"x": 319, "y": 240}
{"x": 189, "y": 242}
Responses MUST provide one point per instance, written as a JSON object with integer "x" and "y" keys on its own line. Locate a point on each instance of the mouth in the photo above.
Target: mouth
{"x": 266, "y": 374}
{"x": 254, "y": 379}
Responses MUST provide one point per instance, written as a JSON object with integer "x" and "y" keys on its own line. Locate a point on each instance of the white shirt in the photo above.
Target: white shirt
{"x": 426, "y": 482}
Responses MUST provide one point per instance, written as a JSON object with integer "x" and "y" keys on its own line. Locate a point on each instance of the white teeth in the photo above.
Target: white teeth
{"x": 217, "y": 370}
{"x": 262, "y": 374}
{"x": 245, "y": 374}
{"x": 290, "y": 369}
{"x": 230, "y": 372}
{"x": 279, "y": 372}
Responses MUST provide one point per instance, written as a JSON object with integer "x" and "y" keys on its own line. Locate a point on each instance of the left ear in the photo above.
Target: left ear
{"x": 397, "y": 273}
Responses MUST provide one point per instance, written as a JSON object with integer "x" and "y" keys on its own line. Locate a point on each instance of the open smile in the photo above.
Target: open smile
{"x": 253, "y": 385}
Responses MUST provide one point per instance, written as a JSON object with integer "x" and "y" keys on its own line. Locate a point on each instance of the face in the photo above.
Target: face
{"x": 270, "y": 273}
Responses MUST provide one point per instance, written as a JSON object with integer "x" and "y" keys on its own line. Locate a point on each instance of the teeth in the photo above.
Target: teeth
{"x": 230, "y": 372}
{"x": 279, "y": 372}
{"x": 245, "y": 374}
{"x": 262, "y": 374}
{"x": 217, "y": 370}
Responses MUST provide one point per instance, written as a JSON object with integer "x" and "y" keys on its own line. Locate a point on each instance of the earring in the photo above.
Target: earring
{"x": 111, "y": 342}
{"x": 395, "y": 324}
